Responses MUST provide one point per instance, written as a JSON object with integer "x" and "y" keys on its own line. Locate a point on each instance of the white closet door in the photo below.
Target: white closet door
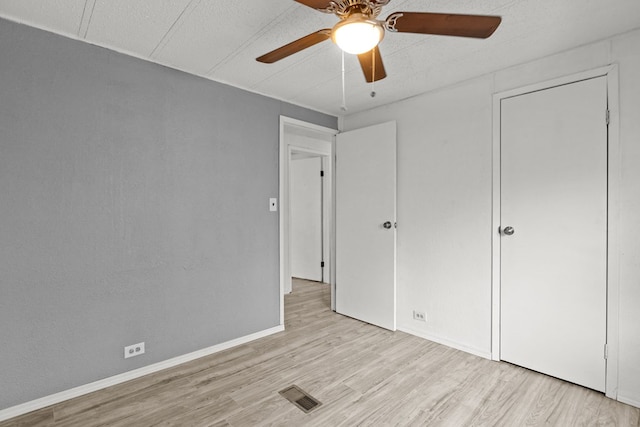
{"x": 553, "y": 266}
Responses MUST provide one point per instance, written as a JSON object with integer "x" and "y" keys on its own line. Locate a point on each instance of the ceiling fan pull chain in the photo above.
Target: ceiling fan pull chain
{"x": 343, "y": 107}
{"x": 373, "y": 83}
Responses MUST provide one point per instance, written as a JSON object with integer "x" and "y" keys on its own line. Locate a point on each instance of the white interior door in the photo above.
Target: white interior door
{"x": 306, "y": 218}
{"x": 365, "y": 205}
{"x": 553, "y": 266}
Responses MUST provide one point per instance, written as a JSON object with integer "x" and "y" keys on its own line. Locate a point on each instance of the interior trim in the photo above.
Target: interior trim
{"x": 449, "y": 343}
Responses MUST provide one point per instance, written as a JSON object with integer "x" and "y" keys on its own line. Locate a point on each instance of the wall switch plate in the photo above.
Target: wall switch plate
{"x": 134, "y": 350}
{"x": 273, "y": 204}
{"x": 419, "y": 315}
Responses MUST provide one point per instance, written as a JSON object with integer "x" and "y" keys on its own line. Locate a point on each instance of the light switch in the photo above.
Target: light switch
{"x": 273, "y": 204}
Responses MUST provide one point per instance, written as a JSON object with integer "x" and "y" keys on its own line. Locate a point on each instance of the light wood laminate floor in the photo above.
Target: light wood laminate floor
{"x": 362, "y": 374}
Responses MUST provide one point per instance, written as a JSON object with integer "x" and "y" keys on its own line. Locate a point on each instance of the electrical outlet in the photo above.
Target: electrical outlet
{"x": 134, "y": 350}
{"x": 419, "y": 315}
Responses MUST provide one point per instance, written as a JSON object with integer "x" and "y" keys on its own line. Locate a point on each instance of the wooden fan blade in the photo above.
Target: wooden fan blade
{"x": 444, "y": 24}
{"x": 367, "y": 60}
{"x": 316, "y": 4}
{"x": 295, "y": 46}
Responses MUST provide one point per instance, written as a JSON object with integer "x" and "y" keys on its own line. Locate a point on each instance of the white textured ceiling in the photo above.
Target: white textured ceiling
{"x": 220, "y": 39}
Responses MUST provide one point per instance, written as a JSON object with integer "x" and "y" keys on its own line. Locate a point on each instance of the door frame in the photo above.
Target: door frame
{"x": 286, "y": 148}
{"x": 613, "y": 214}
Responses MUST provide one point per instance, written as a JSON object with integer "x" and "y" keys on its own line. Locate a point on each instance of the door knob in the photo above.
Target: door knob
{"x": 387, "y": 225}
{"x": 508, "y": 230}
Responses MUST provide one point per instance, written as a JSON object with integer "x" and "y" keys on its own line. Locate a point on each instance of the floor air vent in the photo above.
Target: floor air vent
{"x": 299, "y": 398}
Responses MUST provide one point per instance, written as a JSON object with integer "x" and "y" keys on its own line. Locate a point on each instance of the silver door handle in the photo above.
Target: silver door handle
{"x": 508, "y": 231}
{"x": 387, "y": 225}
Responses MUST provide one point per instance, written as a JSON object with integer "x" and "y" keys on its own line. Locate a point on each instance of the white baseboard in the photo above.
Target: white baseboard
{"x": 43, "y": 402}
{"x": 449, "y": 343}
{"x": 632, "y": 402}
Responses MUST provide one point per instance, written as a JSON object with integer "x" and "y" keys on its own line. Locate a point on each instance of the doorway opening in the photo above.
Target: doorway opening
{"x": 312, "y": 146}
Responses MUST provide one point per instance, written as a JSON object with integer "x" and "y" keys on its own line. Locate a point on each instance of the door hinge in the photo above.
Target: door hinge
{"x": 321, "y": 173}
{"x": 321, "y": 264}
{"x": 606, "y": 351}
{"x": 608, "y": 117}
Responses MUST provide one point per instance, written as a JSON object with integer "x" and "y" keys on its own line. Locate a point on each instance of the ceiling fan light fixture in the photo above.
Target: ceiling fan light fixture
{"x": 357, "y": 34}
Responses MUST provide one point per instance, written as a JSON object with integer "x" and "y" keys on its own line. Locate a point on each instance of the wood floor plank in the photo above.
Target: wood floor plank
{"x": 362, "y": 374}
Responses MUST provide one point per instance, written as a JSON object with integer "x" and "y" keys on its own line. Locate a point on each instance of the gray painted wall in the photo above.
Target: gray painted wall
{"x": 133, "y": 207}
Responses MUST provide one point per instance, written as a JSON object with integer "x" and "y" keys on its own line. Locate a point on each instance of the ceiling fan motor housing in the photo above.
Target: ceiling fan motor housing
{"x": 345, "y": 8}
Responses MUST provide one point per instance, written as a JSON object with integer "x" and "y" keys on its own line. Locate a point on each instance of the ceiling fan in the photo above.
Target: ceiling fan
{"x": 359, "y": 32}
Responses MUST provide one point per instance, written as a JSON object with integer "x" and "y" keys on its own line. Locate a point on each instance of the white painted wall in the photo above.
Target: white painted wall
{"x": 306, "y": 218}
{"x": 444, "y": 200}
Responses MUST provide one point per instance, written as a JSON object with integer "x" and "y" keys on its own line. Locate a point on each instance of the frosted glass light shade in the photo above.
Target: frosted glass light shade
{"x": 357, "y": 35}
